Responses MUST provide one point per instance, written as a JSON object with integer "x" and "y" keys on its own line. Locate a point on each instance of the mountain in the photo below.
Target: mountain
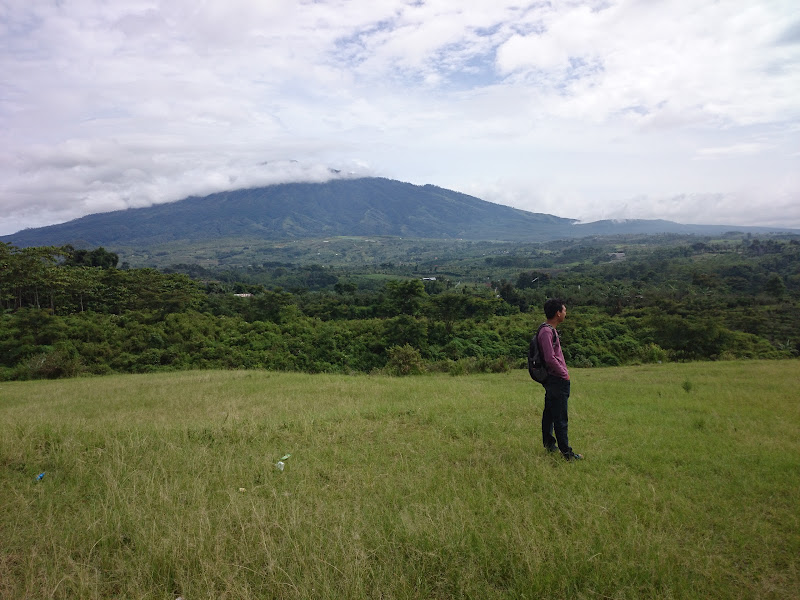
{"x": 356, "y": 207}
{"x": 342, "y": 207}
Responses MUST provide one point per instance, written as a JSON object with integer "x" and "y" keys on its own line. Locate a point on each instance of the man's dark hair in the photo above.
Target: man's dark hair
{"x": 552, "y": 306}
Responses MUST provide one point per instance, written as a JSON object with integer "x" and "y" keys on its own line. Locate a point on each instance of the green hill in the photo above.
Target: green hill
{"x": 359, "y": 207}
{"x": 341, "y": 207}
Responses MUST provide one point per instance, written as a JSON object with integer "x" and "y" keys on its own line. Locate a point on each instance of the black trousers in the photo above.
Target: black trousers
{"x": 554, "y": 415}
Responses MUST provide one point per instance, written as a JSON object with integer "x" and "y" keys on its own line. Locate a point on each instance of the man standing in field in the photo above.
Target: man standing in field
{"x": 556, "y": 386}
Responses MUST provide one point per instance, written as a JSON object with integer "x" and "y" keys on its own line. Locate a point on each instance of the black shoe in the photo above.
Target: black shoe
{"x": 551, "y": 449}
{"x": 573, "y": 456}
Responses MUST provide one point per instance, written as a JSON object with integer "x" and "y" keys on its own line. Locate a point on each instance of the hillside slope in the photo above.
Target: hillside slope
{"x": 359, "y": 207}
{"x": 341, "y": 207}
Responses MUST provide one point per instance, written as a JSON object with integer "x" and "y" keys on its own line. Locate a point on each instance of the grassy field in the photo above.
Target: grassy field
{"x": 159, "y": 486}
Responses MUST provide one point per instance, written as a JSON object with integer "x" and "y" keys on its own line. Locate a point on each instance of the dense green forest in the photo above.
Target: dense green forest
{"x": 68, "y": 312}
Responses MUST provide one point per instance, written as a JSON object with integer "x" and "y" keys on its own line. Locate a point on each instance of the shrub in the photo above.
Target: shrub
{"x": 404, "y": 360}
{"x": 609, "y": 360}
{"x": 494, "y": 365}
{"x": 466, "y": 366}
{"x": 51, "y": 365}
{"x": 583, "y": 362}
{"x": 653, "y": 353}
{"x": 458, "y": 367}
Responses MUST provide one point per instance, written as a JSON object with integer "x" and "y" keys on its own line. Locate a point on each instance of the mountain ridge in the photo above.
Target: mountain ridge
{"x": 340, "y": 207}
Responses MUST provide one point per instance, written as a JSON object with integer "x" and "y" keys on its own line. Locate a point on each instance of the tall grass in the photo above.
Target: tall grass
{"x": 159, "y": 486}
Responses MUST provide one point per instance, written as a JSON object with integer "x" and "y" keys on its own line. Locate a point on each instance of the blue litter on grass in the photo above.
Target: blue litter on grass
{"x": 40, "y": 476}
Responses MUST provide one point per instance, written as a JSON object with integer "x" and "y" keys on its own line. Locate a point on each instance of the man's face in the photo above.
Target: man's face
{"x": 562, "y": 314}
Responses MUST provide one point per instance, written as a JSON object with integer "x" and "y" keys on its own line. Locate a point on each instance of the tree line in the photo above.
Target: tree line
{"x": 67, "y": 312}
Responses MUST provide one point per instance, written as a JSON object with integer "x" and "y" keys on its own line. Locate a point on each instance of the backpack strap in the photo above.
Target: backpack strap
{"x": 555, "y": 333}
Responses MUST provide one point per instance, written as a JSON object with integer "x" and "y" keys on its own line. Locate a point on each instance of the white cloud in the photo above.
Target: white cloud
{"x": 735, "y": 149}
{"x": 585, "y": 109}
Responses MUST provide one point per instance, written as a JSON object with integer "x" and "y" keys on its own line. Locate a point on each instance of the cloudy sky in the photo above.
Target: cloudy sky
{"x": 678, "y": 109}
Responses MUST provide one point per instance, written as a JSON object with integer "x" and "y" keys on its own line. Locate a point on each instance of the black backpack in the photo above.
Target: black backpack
{"x": 536, "y": 366}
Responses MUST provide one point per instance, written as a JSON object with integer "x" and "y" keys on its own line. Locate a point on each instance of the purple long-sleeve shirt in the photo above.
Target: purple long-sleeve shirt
{"x": 550, "y": 347}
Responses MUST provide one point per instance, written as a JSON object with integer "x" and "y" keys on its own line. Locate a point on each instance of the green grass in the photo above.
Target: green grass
{"x": 424, "y": 487}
